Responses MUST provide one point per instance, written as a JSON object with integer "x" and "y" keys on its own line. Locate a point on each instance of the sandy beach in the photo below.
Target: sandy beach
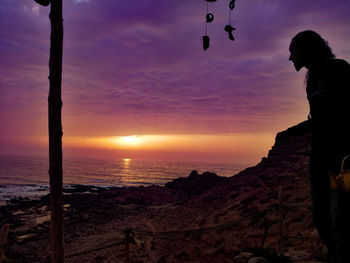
{"x": 198, "y": 218}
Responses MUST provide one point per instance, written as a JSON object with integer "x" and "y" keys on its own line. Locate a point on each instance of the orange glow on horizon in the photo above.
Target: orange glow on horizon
{"x": 221, "y": 147}
{"x": 177, "y": 142}
{"x": 255, "y": 145}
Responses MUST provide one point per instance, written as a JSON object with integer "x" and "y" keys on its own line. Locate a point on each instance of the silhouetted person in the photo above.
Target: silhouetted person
{"x": 328, "y": 93}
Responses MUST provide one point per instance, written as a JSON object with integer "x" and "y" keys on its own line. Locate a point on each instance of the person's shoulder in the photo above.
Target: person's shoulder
{"x": 339, "y": 64}
{"x": 336, "y": 68}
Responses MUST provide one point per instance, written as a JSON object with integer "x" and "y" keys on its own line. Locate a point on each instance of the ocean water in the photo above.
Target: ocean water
{"x": 28, "y": 176}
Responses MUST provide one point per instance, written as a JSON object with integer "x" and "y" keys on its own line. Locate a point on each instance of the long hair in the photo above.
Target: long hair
{"x": 314, "y": 46}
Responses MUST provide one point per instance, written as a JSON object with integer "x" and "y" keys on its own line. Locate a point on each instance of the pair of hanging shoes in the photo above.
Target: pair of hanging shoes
{"x": 228, "y": 29}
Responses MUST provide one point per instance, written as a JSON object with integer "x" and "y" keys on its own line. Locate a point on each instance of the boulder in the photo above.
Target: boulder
{"x": 196, "y": 183}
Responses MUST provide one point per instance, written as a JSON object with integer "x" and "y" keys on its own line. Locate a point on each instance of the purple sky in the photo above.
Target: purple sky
{"x": 138, "y": 67}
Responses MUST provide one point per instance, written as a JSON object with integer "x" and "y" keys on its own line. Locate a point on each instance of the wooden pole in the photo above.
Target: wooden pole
{"x": 127, "y": 233}
{"x": 55, "y": 129}
{"x": 281, "y": 236}
{"x": 55, "y": 132}
{"x": 3, "y": 240}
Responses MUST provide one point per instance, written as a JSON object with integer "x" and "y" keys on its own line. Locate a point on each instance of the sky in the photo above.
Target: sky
{"x": 137, "y": 83}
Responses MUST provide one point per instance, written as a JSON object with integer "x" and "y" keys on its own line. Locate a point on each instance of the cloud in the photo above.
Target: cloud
{"x": 81, "y": 1}
{"x": 139, "y": 65}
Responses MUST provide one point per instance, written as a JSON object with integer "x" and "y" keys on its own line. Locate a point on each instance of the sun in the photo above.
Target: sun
{"x": 132, "y": 140}
{"x": 137, "y": 142}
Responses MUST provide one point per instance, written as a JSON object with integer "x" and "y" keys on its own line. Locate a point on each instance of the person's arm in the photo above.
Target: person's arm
{"x": 338, "y": 131}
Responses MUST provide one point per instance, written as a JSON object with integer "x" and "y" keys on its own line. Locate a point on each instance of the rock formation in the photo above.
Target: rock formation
{"x": 196, "y": 183}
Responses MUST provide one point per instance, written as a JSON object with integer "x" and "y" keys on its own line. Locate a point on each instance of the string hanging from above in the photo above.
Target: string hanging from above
{"x": 229, "y": 28}
{"x": 209, "y": 18}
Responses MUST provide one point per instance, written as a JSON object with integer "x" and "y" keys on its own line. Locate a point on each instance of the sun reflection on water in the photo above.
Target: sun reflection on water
{"x": 126, "y": 165}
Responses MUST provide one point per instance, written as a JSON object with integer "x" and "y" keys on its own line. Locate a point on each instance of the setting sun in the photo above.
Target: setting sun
{"x": 132, "y": 140}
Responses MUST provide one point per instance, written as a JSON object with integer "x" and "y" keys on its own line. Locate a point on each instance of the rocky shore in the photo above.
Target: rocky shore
{"x": 200, "y": 218}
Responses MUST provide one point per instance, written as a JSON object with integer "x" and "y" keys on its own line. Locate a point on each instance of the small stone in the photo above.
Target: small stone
{"x": 243, "y": 257}
{"x": 257, "y": 260}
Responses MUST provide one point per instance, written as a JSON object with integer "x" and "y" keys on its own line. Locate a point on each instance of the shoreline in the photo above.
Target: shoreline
{"x": 12, "y": 192}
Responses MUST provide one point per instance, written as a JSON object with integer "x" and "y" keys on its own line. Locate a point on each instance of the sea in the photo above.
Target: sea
{"x": 27, "y": 176}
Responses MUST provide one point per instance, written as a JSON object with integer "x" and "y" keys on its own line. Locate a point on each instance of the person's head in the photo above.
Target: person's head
{"x": 307, "y": 48}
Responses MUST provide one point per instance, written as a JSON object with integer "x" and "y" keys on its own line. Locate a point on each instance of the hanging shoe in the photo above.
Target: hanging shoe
{"x": 229, "y": 29}
{"x": 206, "y": 40}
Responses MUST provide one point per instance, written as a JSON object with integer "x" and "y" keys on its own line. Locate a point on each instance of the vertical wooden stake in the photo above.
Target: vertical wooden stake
{"x": 127, "y": 233}
{"x": 3, "y": 240}
{"x": 281, "y": 247}
{"x": 55, "y": 132}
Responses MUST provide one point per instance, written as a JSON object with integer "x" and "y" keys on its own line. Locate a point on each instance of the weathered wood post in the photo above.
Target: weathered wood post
{"x": 55, "y": 132}
{"x": 3, "y": 240}
{"x": 55, "y": 129}
{"x": 280, "y": 225}
{"x": 127, "y": 233}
